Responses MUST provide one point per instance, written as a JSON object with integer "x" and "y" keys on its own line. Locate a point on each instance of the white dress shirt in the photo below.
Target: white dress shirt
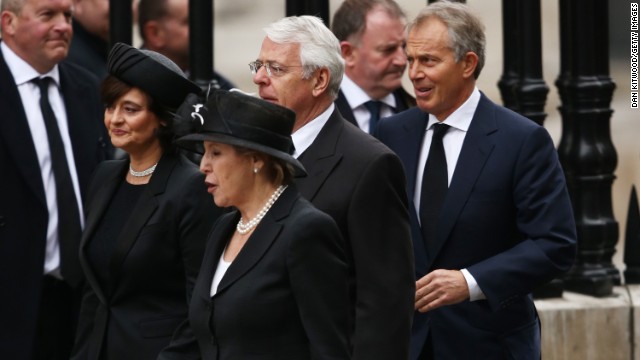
{"x": 23, "y": 73}
{"x": 356, "y": 97}
{"x": 304, "y": 137}
{"x": 221, "y": 269}
{"x": 459, "y": 121}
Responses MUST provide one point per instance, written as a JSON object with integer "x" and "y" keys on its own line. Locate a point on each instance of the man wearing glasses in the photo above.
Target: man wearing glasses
{"x": 352, "y": 177}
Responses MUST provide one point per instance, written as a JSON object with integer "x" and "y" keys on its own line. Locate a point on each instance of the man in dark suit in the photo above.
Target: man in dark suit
{"x": 351, "y": 176}
{"x": 372, "y": 39}
{"x": 39, "y": 270}
{"x": 498, "y": 222}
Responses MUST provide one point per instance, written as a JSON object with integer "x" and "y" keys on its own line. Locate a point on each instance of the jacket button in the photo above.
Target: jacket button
{"x": 1, "y": 221}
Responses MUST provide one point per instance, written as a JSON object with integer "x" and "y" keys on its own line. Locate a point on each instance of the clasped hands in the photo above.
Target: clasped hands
{"x": 439, "y": 288}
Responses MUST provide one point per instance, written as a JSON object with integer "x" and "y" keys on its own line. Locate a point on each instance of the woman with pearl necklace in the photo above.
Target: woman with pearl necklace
{"x": 273, "y": 282}
{"x": 147, "y": 216}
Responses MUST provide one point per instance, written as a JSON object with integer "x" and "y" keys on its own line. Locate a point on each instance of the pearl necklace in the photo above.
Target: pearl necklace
{"x": 245, "y": 228}
{"x": 142, "y": 173}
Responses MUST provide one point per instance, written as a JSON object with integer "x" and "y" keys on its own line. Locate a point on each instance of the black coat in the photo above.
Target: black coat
{"x": 284, "y": 297}
{"x": 153, "y": 266}
{"x": 360, "y": 183}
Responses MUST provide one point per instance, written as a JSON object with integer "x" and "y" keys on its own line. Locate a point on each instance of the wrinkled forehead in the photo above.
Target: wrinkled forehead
{"x": 279, "y": 52}
{"x": 45, "y": 5}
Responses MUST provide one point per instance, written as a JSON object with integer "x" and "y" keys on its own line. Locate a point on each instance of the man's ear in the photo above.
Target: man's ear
{"x": 7, "y": 23}
{"x": 154, "y": 34}
{"x": 320, "y": 81}
{"x": 469, "y": 62}
{"x": 348, "y": 51}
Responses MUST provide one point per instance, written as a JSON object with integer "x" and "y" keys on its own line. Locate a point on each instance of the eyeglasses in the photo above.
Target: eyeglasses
{"x": 273, "y": 69}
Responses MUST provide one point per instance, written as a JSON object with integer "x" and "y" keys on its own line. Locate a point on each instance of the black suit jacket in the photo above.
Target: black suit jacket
{"x": 506, "y": 218}
{"x": 154, "y": 264}
{"x": 284, "y": 297}
{"x": 404, "y": 101}
{"x": 360, "y": 183}
{"x": 23, "y": 208}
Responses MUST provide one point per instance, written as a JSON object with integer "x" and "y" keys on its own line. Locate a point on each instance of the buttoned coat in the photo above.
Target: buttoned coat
{"x": 284, "y": 296}
{"x": 506, "y": 218}
{"x": 360, "y": 183}
{"x": 154, "y": 264}
{"x": 23, "y": 208}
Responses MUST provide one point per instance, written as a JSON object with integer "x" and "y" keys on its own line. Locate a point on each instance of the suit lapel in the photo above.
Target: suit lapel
{"x": 98, "y": 206}
{"x": 403, "y": 100}
{"x": 221, "y": 234}
{"x": 476, "y": 149}
{"x": 413, "y": 136}
{"x": 321, "y": 158}
{"x": 145, "y": 207}
{"x": 345, "y": 109}
{"x": 260, "y": 241}
{"x": 15, "y": 132}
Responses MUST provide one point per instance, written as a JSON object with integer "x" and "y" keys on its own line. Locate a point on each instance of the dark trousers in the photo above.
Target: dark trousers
{"x": 57, "y": 318}
{"x": 427, "y": 349}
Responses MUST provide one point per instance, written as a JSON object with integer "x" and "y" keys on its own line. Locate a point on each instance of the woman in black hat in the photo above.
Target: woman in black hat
{"x": 273, "y": 283}
{"x": 147, "y": 216}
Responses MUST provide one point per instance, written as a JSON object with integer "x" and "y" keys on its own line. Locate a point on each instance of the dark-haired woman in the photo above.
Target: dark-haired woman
{"x": 147, "y": 216}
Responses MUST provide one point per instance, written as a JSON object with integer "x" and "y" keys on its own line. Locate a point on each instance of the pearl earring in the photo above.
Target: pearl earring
{"x": 255, "y": 170}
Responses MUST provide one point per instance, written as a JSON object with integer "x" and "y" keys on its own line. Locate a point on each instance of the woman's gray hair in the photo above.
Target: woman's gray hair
{"x": 466, "y": 31}
{"x": 319, "y": 48}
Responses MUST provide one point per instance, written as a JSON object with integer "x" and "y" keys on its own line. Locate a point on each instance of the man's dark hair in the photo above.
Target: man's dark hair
{"x": 149, "y": 10}
{"x": 351, "y": 17}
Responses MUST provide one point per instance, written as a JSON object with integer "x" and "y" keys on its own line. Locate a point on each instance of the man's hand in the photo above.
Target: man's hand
{"x": 440, "y": 287}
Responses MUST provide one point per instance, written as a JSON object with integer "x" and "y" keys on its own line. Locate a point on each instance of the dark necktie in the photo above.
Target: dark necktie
{"x": 69, "y": 228}
{"x": 374, "y": 109}
{"x": 434, "y": 184}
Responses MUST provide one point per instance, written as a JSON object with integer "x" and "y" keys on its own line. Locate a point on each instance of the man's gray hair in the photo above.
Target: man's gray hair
{"x": 466, "y": 31}
{"x": 15, "y": 6}
{"x": 319, "y": 48}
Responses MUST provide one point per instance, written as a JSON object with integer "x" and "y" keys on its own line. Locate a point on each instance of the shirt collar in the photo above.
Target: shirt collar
{"x": 461, "y": 118}
{"x": 23, "y": 72}
{"x": 357, "y": 97}
{"x": 304, "y": 137}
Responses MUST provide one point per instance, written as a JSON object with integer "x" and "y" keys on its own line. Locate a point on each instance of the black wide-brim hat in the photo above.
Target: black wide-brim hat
{"x": 151, "y": 72}
{"x": 235, "y": 118}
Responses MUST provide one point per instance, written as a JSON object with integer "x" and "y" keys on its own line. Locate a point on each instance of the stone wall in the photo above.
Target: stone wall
{"x": 588, "y": 328}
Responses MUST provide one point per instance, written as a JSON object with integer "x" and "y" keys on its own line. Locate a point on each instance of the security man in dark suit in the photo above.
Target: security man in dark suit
{"x": 372, "y": 38}
{"x": 51, "y": 138}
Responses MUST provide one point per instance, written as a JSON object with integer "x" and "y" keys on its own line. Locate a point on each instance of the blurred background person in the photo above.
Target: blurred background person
{"x": 164, "y": 28}
{"x": 147, "y": 216}
{"x": 90, "y": 44}
{"x": 51, "y": 139}
{"x": 274, "y": 282}
{"x": 353, "y": 177}
{"x": 372, "y": 39}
